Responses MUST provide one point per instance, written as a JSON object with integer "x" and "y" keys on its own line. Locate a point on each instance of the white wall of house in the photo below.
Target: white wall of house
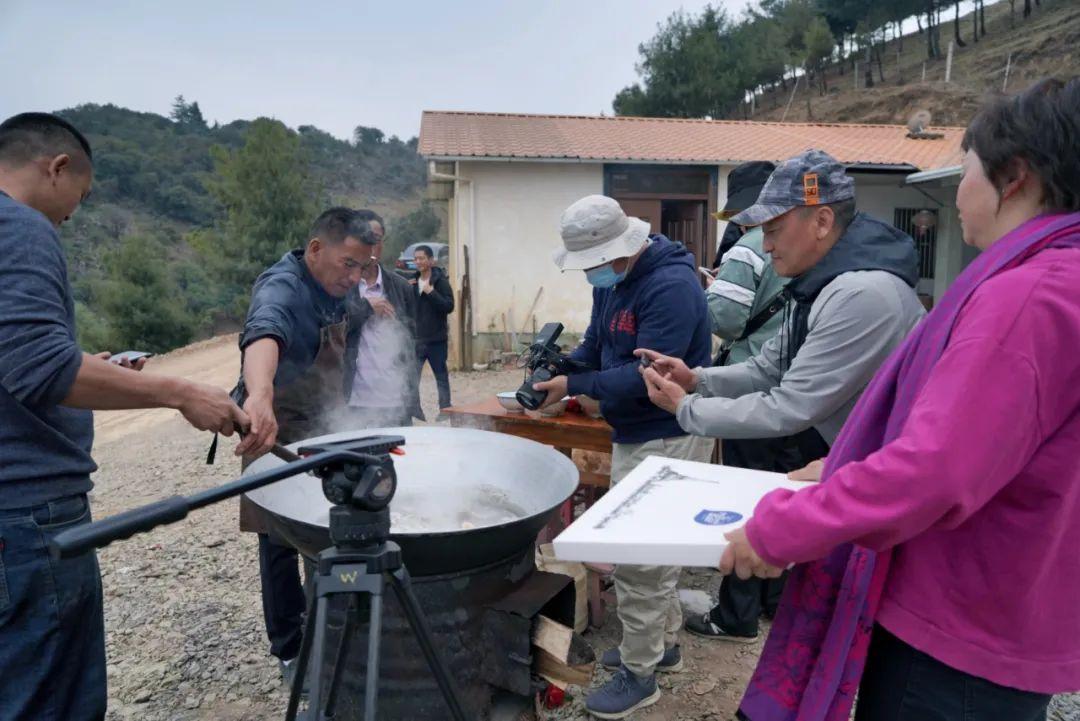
{"x": 881, "y": 195}
{"x": 518, "y": 206}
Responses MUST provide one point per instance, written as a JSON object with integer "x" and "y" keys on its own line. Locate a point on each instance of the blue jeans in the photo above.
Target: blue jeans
{"x": 52, "y": 629}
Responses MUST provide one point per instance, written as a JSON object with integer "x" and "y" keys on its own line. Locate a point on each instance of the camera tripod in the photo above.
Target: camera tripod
{"x": 362, "y": 565}
{"x": 358, "y": 479}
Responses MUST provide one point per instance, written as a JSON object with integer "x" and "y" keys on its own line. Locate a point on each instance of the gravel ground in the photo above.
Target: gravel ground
{"x": 185, "y": 638}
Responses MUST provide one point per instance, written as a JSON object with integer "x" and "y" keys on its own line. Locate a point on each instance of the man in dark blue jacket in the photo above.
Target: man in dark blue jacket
{"x": 52, "y": 629}
{"x": 645, "y": 290}
{"x": 292, "y": 374}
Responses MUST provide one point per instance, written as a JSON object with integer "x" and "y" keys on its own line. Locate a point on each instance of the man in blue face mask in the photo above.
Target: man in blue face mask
{"x": 645, "y": 290}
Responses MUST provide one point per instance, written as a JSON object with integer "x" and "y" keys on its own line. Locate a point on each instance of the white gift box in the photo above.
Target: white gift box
{"x": 668, "y": 512}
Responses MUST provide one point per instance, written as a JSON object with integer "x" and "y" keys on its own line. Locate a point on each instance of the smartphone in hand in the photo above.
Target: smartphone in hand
{"x": 130, "y": 356}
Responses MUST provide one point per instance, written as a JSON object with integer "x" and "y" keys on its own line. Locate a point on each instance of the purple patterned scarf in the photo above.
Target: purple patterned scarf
{"x": 814, "y": 656}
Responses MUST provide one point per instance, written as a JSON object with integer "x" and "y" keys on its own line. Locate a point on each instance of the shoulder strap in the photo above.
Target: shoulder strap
{"x": 754, "y": 324}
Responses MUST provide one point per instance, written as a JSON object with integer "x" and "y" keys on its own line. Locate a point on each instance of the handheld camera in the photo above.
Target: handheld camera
{"x": 545, "y": 360}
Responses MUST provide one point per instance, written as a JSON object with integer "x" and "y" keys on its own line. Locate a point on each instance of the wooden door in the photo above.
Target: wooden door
{"x": 647, "y": 210}
{"x": 684, "y": 221}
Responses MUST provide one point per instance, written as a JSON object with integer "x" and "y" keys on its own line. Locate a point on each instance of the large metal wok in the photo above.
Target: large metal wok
{"x": 465, "y": 497}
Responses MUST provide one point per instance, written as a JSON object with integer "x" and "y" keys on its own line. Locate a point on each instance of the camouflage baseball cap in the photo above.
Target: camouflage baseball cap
{"x": 810, "y": 178}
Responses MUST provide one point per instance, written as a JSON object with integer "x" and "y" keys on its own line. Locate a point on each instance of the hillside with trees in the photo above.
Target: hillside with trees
{"x": 183, "y": 215}
{"x": 849, "y": 60}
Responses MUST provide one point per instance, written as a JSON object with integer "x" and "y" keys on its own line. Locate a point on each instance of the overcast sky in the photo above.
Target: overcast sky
{"x": 332, "y": 64}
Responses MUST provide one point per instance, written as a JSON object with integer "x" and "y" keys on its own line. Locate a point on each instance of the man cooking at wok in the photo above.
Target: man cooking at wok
{"x": 293, "y": 347}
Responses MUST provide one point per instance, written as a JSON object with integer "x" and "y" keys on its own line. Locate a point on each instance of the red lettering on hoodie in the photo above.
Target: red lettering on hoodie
{"x": 623, "y": 322}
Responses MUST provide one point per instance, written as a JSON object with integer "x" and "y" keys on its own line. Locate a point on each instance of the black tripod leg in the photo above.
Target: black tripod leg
{"x": 318, "y": 645}
{"x": 303, "y": 658}
{"x": 340, "y": 657}
{"x": 400, "y": 582}
{"x": 371, "y": 679}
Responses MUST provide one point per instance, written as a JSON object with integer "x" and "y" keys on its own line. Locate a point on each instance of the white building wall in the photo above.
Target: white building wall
{"x": 880, "y": 195}
{"x": 518, "y": 206}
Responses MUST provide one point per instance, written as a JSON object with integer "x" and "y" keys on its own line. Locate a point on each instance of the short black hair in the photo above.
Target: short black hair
{"x": 369, "y": 216}
{"x": 336, "y": 224}
{"x": 1040, "y": 125}
{"x": 843, "y": 212}
{"x": 28, "y": 136}
{"x": 425, "y": 249}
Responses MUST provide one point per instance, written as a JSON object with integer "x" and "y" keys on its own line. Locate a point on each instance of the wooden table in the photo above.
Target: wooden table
{"x": 565, "y": 432}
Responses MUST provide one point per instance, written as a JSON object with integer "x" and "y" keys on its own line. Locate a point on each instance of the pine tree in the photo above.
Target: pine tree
{"x": 269, "y": 205}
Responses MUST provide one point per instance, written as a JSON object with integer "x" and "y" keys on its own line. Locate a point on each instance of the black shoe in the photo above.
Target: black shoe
{"x": 705, "y": 627}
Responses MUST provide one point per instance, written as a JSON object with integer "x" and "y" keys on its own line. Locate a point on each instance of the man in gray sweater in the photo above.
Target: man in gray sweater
{"x": 852, "y": 302}
{"x": 52, "y": 635}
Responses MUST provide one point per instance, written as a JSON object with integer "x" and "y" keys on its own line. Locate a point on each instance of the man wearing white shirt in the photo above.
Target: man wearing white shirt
{"x": 380, "y": 387}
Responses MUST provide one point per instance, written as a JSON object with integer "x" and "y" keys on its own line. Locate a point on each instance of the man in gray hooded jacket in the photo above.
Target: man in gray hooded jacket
{"x": 852, "y": 302}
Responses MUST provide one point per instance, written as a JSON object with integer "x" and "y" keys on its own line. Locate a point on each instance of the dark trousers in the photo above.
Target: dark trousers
{"x": 52, "y": 629}
{"x": 901, "y": 683}
{"x": 282, "y": 596}
{"x": 435, "y": 354}
{"x": 740, "y": 602}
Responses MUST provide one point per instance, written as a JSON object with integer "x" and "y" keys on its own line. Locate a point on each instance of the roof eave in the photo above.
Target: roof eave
{"x": 566, "y": 159}
{"x": 937, "y": 175}
{"x": 857, "y": 167}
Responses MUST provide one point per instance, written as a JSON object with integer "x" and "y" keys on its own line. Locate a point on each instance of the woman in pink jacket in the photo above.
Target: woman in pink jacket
{"x": 939, "y": 560}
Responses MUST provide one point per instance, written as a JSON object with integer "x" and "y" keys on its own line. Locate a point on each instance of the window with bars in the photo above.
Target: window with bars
{"x": 920, "y": 224}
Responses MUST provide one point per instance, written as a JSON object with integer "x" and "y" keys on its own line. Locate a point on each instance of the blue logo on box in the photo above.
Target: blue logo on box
{"x": 717, "y": 518}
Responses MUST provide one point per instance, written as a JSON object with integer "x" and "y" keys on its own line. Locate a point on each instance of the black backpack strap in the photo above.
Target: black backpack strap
{"x": 775, "y": 306}
{"x": 753, "y": 326}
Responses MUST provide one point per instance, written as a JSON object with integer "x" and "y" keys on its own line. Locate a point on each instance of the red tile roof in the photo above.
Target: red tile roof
{"x": 663, "y": 140}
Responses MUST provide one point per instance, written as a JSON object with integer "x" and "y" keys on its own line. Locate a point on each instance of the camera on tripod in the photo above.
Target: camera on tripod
{"x": 360, "y": 485}
{"x": 545, "y": 360}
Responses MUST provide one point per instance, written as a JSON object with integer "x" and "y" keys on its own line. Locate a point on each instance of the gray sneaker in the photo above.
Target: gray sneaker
{"x": 622, "y": 695}
{"x": 669, "y": 662}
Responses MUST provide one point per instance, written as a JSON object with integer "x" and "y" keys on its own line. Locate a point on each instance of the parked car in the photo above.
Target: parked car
{"x": 406, "y": 266}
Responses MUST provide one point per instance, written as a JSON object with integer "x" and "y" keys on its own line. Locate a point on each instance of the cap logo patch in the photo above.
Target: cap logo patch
{"x": 810, "y": 189}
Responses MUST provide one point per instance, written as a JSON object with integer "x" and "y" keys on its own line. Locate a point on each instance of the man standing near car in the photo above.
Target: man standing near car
{"x": 435, "y": 301}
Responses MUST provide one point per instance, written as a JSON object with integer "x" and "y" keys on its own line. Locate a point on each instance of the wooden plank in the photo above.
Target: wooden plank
{"x": 559, "y": 673}
{"x": 599, "y": 480}
{"x": 561, "y": 642}
{"x": 552, "y": 637}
